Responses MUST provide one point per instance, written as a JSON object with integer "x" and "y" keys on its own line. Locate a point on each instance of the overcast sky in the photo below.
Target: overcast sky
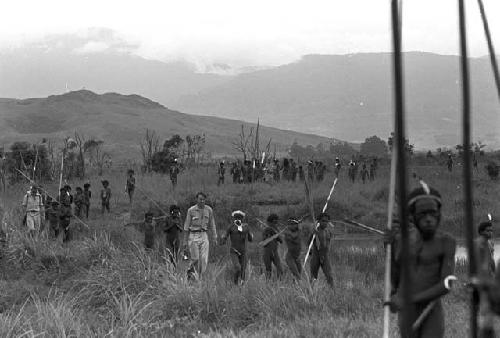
{"x": 242, "y": 33}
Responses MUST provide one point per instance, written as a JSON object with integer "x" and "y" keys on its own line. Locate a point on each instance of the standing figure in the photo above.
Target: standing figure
{"x": 431, "y": 261}
{"x": 338, "y": 166}
{"x": 372, "y": 171}
{"x": 320, "y": 256}
{"x": 352, "y": 171}
{"x": 449, "y": 163}
{"x": 174, "y": 171}
{"x": 149, "y": 227}
{"x": 130, "y": 185}
{"x": 364, "y": 173}
{"x": 53, "y": 218}
{"x": 79, "y": 201}
{"x": 294, "y": 245}
{"x": 485, "y": 249}
{"x": 236, "y": 172}
{"x": 173, "y": 228}
{"x": 239, "y": 234}
{"x": 64, "y": 222}
{"x": 221, "y": 172}
{"x": 34, "y": 210}
{"x": 271, "y": 255}
{"x": 105, "y": 196}
{"x": 293, "y": 170}
{"x": 87, "y": 195}
{"x": 302, "y": 177}
{"x": 199, "y": 219}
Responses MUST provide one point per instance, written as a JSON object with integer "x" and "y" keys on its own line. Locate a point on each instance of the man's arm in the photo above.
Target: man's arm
{"x": 447, "y": 269}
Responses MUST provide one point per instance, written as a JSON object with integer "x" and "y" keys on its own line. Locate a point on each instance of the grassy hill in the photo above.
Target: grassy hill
{"x": 121, "y": 121}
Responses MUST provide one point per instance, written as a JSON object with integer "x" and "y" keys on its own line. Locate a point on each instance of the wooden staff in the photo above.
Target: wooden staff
{"x": 361, "y": 225}
{"x": 399, "y": 126}
{"x": 388, "y": 248}
{"x": 467, "y": 173}
{"x": 317, "y": 223}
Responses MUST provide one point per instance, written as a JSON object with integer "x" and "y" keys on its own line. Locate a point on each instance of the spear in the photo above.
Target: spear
{"x": 317, "y": 223}
{"x": 388, "y": 248}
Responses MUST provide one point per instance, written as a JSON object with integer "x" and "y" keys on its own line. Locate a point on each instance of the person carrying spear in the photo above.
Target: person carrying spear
{"x": 271, "y": 255}
{"x": 432, "y": 259}
{"x": 323, "y": 235}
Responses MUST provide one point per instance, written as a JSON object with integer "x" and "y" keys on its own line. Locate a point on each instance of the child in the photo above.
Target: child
{"x": 87, "y": 195}
{"x": 105, "y": 196}
{"x": 79, "y": 200}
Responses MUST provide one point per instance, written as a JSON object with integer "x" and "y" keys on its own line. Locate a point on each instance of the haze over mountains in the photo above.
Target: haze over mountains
{"x": 348, "y": 97}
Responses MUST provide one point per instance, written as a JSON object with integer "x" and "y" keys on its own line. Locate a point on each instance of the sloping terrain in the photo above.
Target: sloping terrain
{"x": 121, "y": 121}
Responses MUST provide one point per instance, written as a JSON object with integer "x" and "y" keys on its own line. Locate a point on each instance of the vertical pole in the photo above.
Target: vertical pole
{"x": 468, "y": 217}
{"x": 388, "y": 249}
{"x": 399, "y": 124}
{"x": 61, "y": 173}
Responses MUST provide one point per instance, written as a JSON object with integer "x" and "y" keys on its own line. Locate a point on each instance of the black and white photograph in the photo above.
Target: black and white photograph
{"x": 229, "y": 168}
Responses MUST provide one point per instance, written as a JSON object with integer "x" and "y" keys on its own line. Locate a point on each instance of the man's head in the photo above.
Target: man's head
{"x": 293, "y": 224}
{"x": 424, "y": 204}
{"x": 323, "y": 220}
{"x": 105, "y": 183}
{"x": 79, "y": 190}
{"x": 200, "y": 199}
{"x": 485, "y": 229}
{"x": 272, "y": 219}
{"x": 33, "y": 190}
{"x": 148, "y": 216}
{"x": 55, "y": 205}
{"x": 86, "y": 186}
{"x": 130, "y": 172}
{"x": 67, "y": 188}
{"x": 175, "y": 211}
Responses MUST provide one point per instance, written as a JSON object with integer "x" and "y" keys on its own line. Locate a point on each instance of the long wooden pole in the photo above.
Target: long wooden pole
{"x": 491, "y": 49}
{"x": 468, "y": 217}
{"x": 407, "y": 311}
{"x": 388, "y": 248}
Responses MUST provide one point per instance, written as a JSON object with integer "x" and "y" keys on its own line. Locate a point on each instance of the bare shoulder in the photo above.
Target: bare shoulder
{"x": 446, "y": 239}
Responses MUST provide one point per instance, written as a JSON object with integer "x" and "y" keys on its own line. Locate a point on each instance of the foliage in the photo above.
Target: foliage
{"x": 409, "y": 148}
{"x": 493, "y": 170}
{"x": 373, "y": 146}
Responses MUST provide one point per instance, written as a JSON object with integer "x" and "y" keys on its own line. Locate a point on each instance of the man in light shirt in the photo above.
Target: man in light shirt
{"x": 199, "y": 219}
{"x": 33, "y": 203}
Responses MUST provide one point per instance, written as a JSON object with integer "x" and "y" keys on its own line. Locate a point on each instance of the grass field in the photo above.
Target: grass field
{"x": 104, "y": 283}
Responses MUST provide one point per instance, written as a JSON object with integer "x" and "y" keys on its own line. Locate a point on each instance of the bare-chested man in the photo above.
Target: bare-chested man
{"x": 432, "y": 259}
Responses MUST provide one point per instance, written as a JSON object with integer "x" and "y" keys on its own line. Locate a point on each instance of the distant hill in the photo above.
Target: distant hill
{"x": 121, "y": 121}
{"x": 350, "y": 97}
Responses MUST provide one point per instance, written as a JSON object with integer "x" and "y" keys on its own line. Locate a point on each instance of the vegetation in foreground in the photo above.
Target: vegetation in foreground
{"x": 104, "y": 283}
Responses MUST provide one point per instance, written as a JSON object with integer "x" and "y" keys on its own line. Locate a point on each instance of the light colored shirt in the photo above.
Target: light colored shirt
{"x": 200, "y": 219}
{"x": 33, "y": 203}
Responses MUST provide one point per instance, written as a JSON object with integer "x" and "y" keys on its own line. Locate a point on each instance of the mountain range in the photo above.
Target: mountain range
{"x": 121, "y": 122}
{"x": 346, "y": 97}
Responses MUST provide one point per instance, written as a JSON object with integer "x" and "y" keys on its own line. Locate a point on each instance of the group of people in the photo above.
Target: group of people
{"x": 367, "y": 172}
{"x": 43, "y": 213}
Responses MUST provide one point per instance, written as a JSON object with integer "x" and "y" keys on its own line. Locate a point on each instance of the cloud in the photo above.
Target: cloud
{"x": 92, "y": 47}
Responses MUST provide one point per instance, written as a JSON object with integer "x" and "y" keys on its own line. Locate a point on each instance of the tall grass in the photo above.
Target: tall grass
{"x": 105, "y": 284}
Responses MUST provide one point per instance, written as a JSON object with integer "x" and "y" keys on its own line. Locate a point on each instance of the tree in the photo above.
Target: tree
{"x": 162, "y": 160}
{"x": 373, "y": 146}
{"x": 195, "y": 144}
{"x": 80, "y": 143}
{"x": 150, "y": 145}
{"x": 98, "y": 157}
{"x": 243, "y": 140}
{"x": 409, "y": 148}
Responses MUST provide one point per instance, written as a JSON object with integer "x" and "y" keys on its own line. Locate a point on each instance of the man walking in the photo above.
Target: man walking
{"x": 199, "y": 219}
{"x": 173, "y": 228}
{"x": 33, "y": 204}
{"x": 130, "y": 185}
{"x": 240, "y": 234}
{"x": 320, "y": 249}
{"x": 294, "y": 245}
{"x": 271, "y": 255}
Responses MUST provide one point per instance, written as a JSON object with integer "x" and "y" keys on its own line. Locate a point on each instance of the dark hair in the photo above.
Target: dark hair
{"x": 174, "y": 207}
{"x": 483, "y": 226}
{"x": 201, "y": 193}
{"x": 321, "y": 215}
{"x": 130, "y": 171}
{"x": 273, "y": 217}
{"x": 419, "y": 193}
{"x": 78, "y": 188}
{"x": 86, "y": 185}
{"x": 148, "y": 214}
